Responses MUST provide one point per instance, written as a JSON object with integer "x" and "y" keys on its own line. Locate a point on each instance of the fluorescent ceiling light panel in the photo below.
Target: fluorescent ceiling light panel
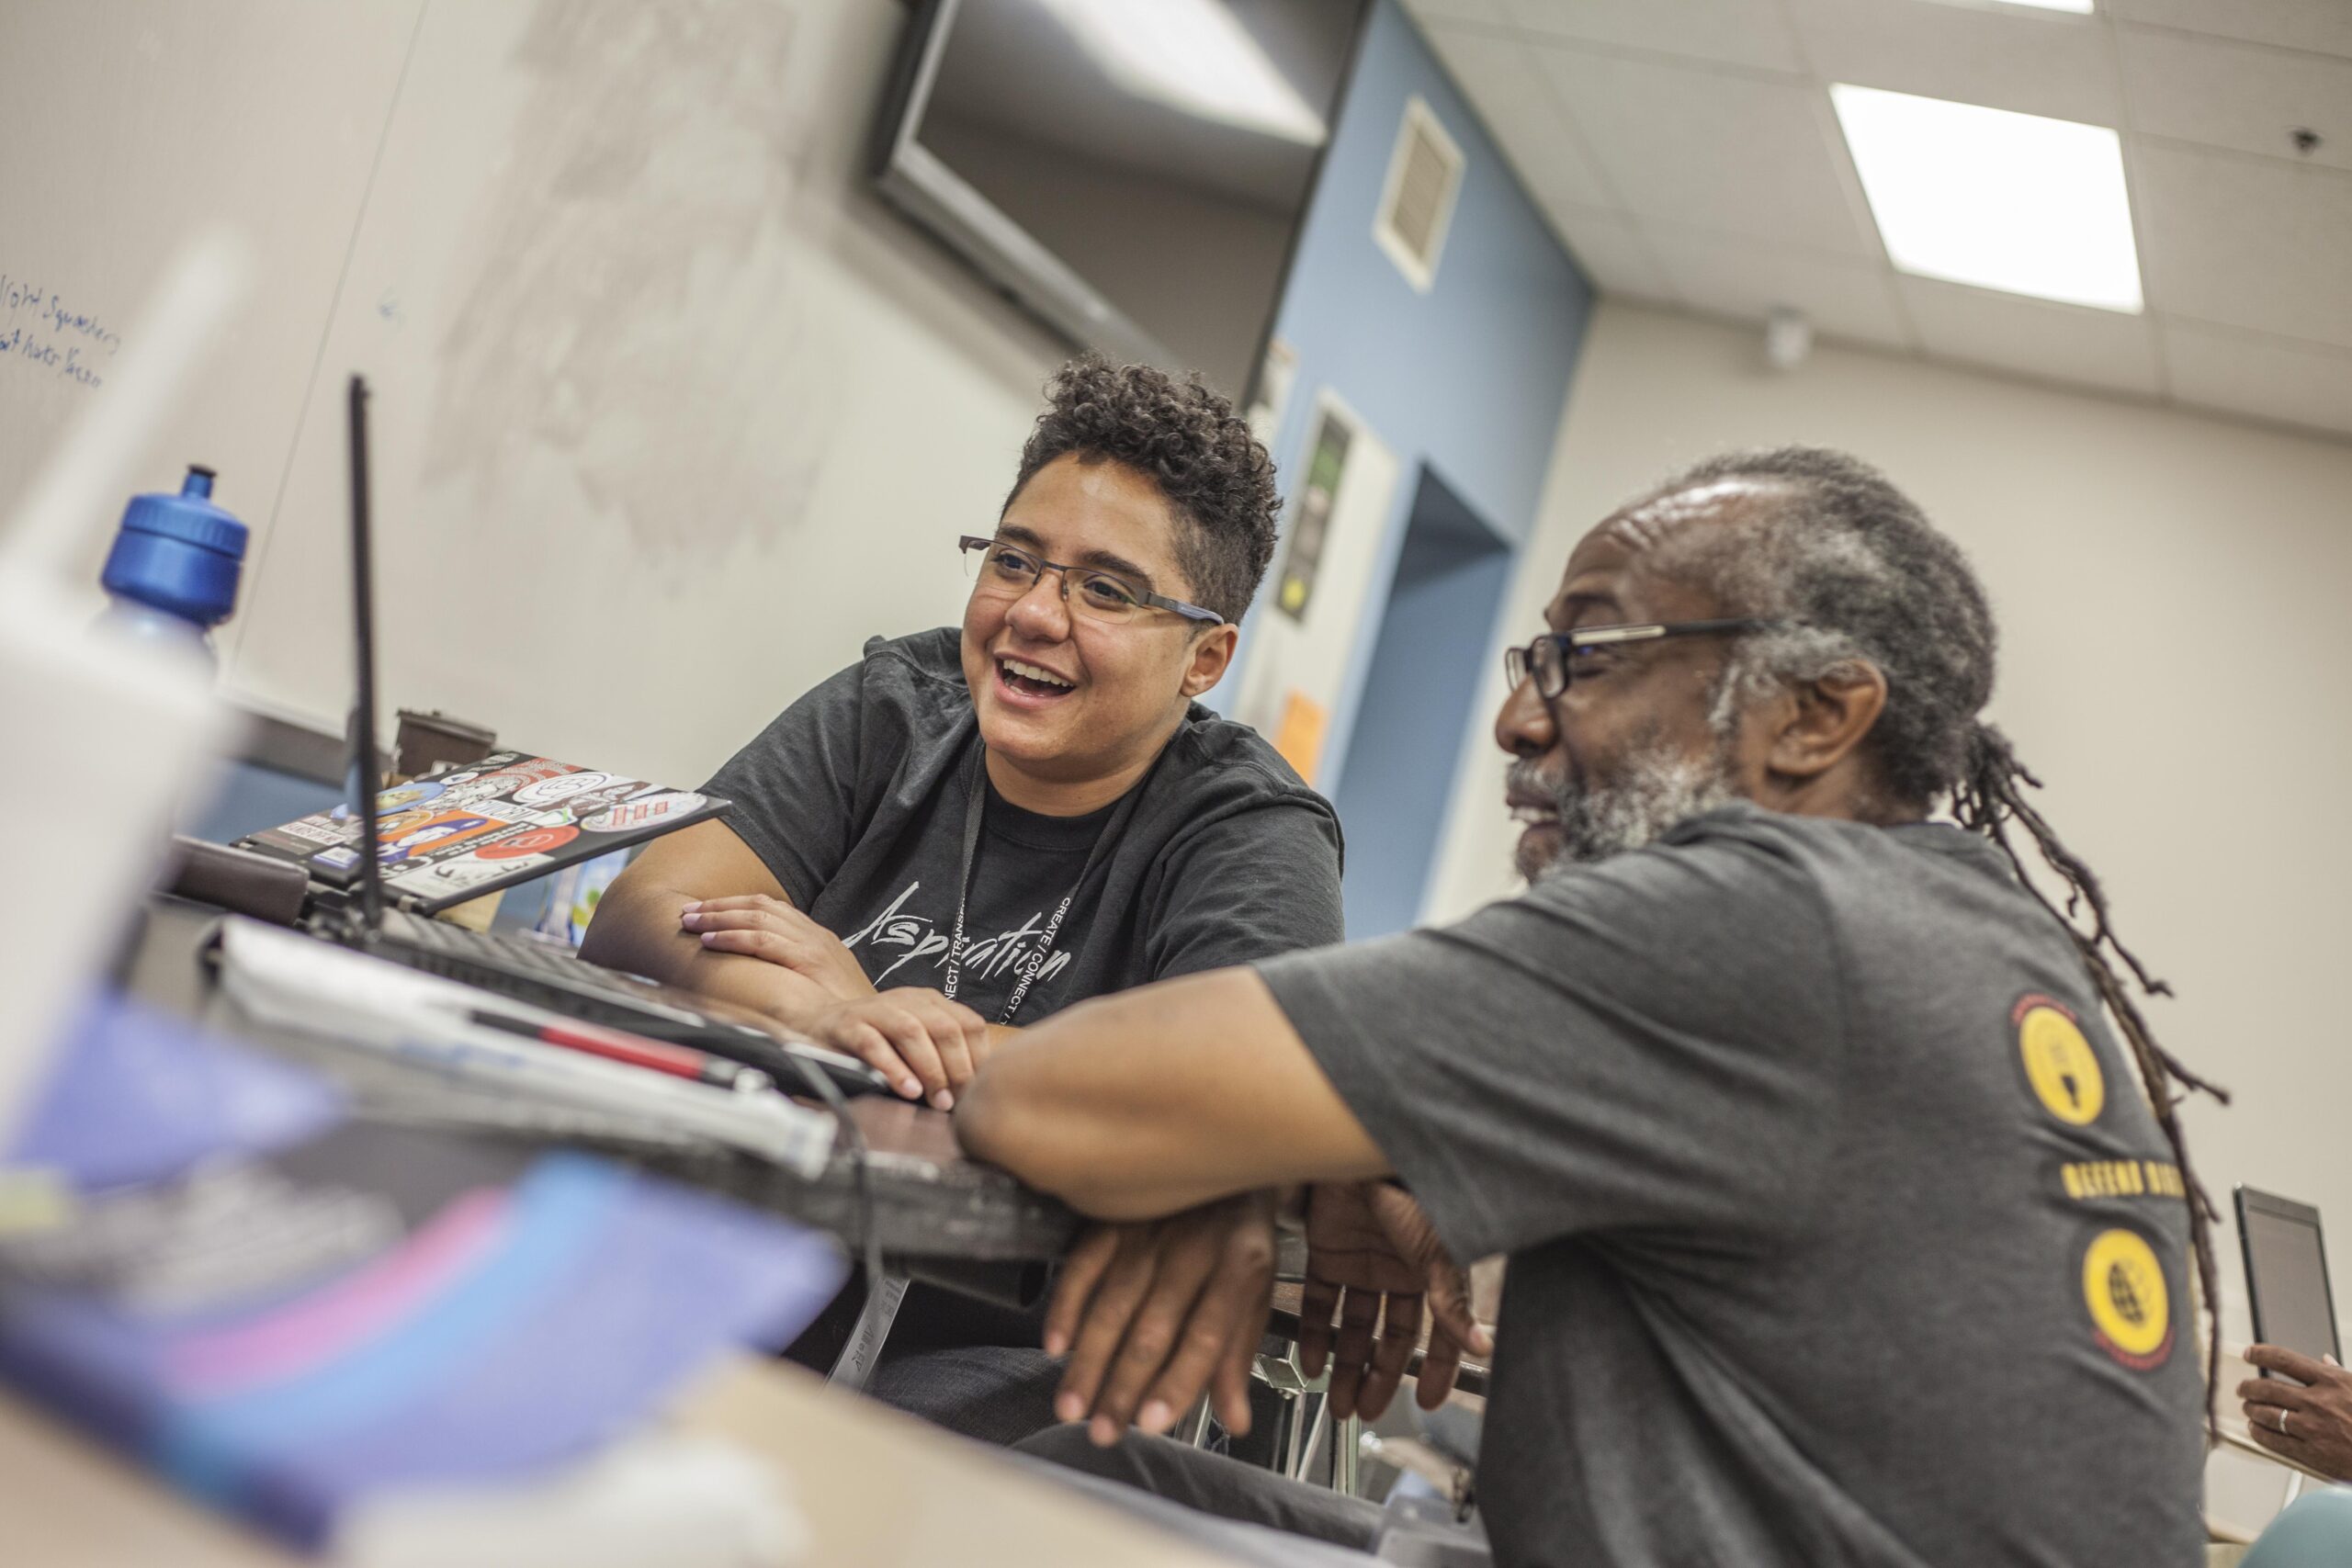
{"x": 1190, "y": 55}
{"x": 2081, "y": 7}
{"x": 2000, "y": 200}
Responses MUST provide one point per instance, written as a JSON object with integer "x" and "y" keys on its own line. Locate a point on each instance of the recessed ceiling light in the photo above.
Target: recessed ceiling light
{"x": 2001, "y": 200}
{"x": 2079, "y": 7}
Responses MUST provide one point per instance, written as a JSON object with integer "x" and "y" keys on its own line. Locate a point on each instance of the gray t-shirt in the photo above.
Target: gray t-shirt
{"x": 1839, "y": 1229}
{"x": 855, "y": 795}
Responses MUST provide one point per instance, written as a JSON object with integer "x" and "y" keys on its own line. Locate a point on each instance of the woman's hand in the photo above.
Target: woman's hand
{"x": 926, "y": 1045}
{"x": 771, "y": 929}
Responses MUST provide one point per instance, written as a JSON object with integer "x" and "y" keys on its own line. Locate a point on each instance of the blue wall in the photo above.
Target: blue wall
{"x": 1451, "y": 576}
{"x": 1468, "y": 380}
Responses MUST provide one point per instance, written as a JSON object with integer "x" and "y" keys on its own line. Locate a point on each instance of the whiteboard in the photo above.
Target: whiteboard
{"x": 668, "y": 416}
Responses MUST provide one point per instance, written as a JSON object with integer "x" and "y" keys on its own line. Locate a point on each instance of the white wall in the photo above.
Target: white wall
{"x": 670, "y": 412}
{"x": 2177, "y": 665}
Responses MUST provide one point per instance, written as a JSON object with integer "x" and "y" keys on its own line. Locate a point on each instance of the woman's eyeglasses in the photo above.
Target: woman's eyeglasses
{"x": 1000, "y": 571}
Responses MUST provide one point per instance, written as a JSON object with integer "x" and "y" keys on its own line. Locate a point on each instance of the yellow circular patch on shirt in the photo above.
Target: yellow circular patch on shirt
{"x": 2123, "y": 1286}
{"x": 2060, "y": 1065}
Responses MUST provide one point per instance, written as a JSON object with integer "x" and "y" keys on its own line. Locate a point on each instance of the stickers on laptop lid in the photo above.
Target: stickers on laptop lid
{"x": 554, "y": 791}
{"x": 528, "y": 843}
{"x": 440, "y": 834}
{"x": 645, "y": 811}
{"x": 443, "y": 877}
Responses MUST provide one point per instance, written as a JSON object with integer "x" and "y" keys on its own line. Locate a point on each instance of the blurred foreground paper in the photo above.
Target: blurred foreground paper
{"x": 309, "y": 1314}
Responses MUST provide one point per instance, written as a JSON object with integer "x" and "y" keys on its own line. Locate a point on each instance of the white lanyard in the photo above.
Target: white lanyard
{"x": 974, "y": 808}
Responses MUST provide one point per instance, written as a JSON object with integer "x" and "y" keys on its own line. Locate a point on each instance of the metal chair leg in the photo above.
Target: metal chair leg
{"x": 1304, "y": 1435}
{"x": 855, "y": 1363}
{"x": 1346, "y": 1446}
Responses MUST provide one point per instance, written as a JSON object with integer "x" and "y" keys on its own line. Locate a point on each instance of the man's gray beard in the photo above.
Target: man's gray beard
{"x": 1655, "y": 792}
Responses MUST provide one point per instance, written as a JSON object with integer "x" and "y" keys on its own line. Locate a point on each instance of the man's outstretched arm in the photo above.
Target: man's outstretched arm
{"x": 1163, "y": 1097}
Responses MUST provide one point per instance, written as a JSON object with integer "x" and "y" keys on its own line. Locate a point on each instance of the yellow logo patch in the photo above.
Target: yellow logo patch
{"x": 2123, "y": 1286}
{"x": 2059, "y": 1061}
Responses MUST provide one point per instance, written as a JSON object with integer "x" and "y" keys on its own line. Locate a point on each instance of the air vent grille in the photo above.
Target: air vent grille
{"x": 1417, "y": 206}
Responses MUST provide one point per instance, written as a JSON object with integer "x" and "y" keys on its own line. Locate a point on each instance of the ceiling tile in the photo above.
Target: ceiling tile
{"x": 2035, "y": 337}
{"x": 1841, "y": 296}
{"x": 1731, "y": 32}
{"x": 2238, "y": 95}
{"x": 1716, "y": 152}
{"x": 2269, "y": 377}
{"x": 1611, "y": 249}
{"x": 2321, "y": 25}
{"x": 2044, "y": 62}
{"x": 1516, "y": 101}
{"x": 1458, "y": 10}
{"x": 2244, "y": 242}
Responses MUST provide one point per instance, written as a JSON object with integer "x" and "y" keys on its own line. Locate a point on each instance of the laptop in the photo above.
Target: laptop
{"x": 2286, "y": 1274}
{"x": 453, "y": 837}
{"x": 378, "y": 878}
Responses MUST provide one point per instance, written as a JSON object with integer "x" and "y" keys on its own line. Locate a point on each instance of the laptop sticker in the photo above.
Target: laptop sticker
{"x": 644, "y": 812}
{"x": 562, "y": 787}
{"x": 530, "y": 842}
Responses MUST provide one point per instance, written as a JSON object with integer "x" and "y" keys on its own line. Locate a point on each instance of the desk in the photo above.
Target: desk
{"x": 929, "y": 1202}
{"x": 878, "y": 1489}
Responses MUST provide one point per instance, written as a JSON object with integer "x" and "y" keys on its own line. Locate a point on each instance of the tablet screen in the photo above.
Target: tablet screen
{"x": 2287, "y": 1273}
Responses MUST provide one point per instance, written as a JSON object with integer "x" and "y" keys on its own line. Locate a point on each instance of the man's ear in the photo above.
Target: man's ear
{"x": 1827, "y": 720}
{"x": 1212, "y": 655}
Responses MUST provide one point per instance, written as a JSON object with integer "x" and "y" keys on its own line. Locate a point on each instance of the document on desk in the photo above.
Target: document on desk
{"x": 291, "y": 981}
{"x": 309, "y": 1318}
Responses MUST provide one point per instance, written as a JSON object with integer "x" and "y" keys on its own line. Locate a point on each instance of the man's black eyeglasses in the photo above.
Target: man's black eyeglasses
{"x": 1008, "y": 571}
{"x": 1554, "y": 657}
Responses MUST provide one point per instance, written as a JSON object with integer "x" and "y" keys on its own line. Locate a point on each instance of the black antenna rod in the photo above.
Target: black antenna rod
{"x": 364, "y": 761}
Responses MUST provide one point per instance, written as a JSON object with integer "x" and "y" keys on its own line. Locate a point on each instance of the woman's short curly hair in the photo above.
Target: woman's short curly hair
{"x": 1187, "y": 440}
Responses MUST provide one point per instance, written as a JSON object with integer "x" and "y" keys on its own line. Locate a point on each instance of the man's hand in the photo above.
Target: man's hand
{"x": 759, "y": 927}
{"x": 2310, "y": 1424}
{"x": 1369, "y": 1245}
{"x": 926, "y": 1045}
{"x": 1153, "y": 1314}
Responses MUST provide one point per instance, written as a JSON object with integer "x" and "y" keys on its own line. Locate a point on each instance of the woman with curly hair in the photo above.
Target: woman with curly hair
{"x": 970, "y": 828}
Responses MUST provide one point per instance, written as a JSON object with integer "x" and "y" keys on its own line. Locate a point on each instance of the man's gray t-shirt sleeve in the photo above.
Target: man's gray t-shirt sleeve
{"x": 808, "y": 758}
{"x": 1650, "y": 1047}
{"x": 1267, "y": 881}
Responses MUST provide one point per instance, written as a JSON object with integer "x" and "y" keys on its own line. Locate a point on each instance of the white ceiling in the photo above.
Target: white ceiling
{"x": 1686, "y": 152}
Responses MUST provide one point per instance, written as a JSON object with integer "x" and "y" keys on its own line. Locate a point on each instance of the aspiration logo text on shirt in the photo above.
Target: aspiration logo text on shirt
{"x": 918, "y": 937}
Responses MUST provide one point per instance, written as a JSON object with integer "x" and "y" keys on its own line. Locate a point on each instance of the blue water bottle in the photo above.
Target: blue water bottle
{"x": 173, "y": 570}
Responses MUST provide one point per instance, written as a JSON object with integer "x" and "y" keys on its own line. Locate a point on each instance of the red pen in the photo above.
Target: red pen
{"x": 678, "y": 1061}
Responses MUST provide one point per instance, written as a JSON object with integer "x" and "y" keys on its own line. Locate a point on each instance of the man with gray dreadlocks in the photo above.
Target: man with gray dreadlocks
{"x": 1841, "y": 1229}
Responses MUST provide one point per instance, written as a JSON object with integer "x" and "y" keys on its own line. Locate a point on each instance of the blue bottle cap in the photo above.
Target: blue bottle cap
{"x": 179, "y": 553}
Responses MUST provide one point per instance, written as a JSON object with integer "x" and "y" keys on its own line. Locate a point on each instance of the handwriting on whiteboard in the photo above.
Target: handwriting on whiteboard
{"x": 41, "y": 328}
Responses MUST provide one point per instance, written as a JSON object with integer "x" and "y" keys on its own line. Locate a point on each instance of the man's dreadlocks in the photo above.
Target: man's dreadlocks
{"x": 1988, "y": 800}
{"x": 1852, "y": 570}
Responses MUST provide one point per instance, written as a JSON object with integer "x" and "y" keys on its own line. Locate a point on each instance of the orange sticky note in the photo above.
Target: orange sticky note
{"x": 1300, "y": 739}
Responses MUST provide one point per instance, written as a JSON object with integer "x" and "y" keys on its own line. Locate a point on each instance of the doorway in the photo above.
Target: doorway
{"x": 1414, "y": 710}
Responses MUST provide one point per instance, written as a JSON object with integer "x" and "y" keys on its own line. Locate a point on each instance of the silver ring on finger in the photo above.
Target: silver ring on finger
{"x": 2282, "y": 1418}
